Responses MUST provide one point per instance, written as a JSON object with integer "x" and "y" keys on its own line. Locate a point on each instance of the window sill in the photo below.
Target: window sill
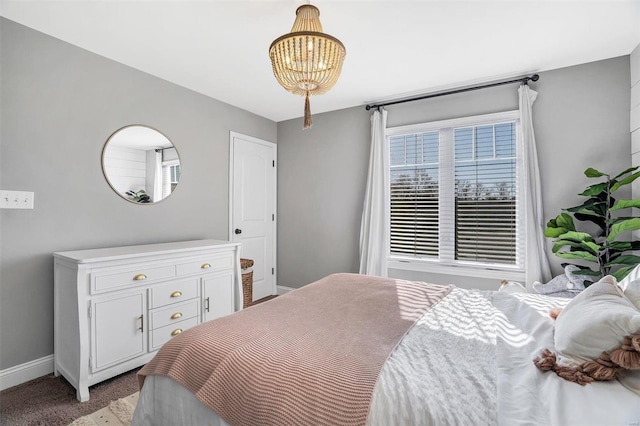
{"x": 458, "y": 270}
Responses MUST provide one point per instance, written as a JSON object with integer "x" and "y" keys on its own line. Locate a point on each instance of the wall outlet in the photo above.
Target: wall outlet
{"x": 16, "y": 199}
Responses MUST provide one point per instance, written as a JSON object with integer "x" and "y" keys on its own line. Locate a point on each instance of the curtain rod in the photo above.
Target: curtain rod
{"x": 523, "y": 80}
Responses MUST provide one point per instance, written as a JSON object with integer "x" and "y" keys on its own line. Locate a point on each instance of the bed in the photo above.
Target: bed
{"x": 449, "y": 356}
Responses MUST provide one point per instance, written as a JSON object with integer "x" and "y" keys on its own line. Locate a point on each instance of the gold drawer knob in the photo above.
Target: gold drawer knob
{"x": 206, "y": 266}
{"x": 176, "y": 294}
{"x": 140, "y": 277}
{"x": 176, "y": 315}
{"x": 176, "y": 332}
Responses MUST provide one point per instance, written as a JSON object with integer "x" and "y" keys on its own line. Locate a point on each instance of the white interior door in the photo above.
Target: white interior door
{"x": 253, "y": 207}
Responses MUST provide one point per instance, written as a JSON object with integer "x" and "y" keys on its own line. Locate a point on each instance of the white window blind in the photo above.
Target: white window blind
{"x": 414, "y": 194}
{"x": 454, "y": 192}
{"x": 485, "y": 193}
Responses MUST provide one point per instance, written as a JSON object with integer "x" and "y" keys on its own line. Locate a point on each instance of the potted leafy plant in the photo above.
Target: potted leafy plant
{"x": 611, "y": 257}
{"x": 139, "y": 196}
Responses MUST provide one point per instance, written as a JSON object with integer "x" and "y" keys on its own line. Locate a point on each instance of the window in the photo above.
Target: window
{"x": 170, "y": 176}
{"x": 174, "y": 174}
{"x": 455, "y": 193}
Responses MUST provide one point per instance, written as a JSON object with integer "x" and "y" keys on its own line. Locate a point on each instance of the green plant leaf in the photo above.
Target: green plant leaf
{"x": 595, "y": 189}
{"x": 583, "y": 211}
{"x": 576, "y": 236}
{"x": 560, "y": 225}
{"x": 627, "y": 259}
{"x": 619, "y": 219}
{"x": 562, "y": 243}
{"x": 587, "y": 271}
{"x": 598, "y": 220}
{"x": 630, "y": 169}
{"x": 614, "y": 254}
{"x": 625, "y": 204}
{"x": 625, "y": 181}
{"x": 624, "y": 226}
{"x": 593, "y": 203}
{"x": 565, "y": 221}
{"x": 623, "y": 245}
{"x": 554, "y": 232}
{"x": 593, "y": 173}
{"x": 622, "y": 272}
{"x": 591, "y": 247}
{"x": 583, "y": 255}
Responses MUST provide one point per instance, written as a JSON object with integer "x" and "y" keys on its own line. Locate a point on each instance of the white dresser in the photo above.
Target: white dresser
{"x": 115, "y": 307}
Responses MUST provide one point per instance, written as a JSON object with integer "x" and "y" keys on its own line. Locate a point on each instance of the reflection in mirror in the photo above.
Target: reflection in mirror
{"x": 141, "y": 164}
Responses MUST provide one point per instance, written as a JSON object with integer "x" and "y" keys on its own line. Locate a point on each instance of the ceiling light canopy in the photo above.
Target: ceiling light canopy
{"x": 307, "y": 61}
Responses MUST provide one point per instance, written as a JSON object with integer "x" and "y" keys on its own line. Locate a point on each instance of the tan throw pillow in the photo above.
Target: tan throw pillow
{"x": 597, "y": 336}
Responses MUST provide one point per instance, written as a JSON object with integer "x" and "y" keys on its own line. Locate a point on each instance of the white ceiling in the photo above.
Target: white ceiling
{"x": 139, "y": 137}
{"x": 394, "y": 48}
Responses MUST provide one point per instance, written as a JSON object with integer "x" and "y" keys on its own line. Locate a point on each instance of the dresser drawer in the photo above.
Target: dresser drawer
{"x": 214, "y": 262}
{"x": 175, "y": 291}
{"x": 107, "y": 280}
{"x": 161, "y": 335}
{"x": 174, "y": 313}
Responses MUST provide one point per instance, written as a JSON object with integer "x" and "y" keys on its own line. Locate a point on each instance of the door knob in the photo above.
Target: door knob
{"x": 238, "y": 231}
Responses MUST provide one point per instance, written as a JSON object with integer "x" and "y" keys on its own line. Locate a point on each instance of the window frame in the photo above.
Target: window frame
{"x": 451, "y": 266}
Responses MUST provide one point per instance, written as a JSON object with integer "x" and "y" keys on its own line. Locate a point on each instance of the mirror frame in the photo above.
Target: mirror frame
{"x": 104, "y": 172}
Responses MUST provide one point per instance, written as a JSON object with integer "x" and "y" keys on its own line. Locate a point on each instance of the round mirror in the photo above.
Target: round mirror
{"x": 141, "y": 164}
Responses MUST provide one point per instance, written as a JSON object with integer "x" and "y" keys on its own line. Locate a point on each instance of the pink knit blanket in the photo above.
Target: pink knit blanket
{"x": 311, "y": 356}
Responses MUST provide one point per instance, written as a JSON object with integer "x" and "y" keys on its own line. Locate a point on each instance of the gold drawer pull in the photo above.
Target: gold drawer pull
{"x": 176, "y": 332}
{"x": 206, "y": 266}
{"x": 140, "y": 277}
{"x": 176, "y": 294}
{"x": 176, "y": 315}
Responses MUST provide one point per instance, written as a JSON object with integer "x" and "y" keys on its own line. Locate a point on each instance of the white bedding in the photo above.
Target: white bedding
{"x": 466, "y": 361}
{"x": 529, "y": 396}
{"x": 442, "y": 372}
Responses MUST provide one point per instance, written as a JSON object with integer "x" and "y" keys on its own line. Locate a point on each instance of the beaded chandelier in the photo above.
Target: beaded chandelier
{"x": 307, "y": 61}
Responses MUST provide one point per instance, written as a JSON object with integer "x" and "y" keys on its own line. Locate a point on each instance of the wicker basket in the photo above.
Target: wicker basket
{"x": 247, "y": 282}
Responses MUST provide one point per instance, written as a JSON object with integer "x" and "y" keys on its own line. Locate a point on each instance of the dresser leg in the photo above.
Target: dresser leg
{"x": 82, "y": 394}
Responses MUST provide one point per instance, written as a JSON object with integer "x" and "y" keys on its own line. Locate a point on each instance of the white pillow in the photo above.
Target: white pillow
{"x": 595, "y": 321}
{"x": 631, "y": 381}
{"x": 632, "y": 291}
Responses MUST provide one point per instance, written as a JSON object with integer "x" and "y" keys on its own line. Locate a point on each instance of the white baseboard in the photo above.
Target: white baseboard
{"x": 24, "y": 372}
{"x": 282, "y": 289}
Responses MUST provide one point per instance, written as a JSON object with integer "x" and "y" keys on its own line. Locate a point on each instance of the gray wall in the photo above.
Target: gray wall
{"x": 59, "y": 105}
{"x": 634, "y": 116}
{"x": 321, "y": 180}
{"x": 581, "y": 119}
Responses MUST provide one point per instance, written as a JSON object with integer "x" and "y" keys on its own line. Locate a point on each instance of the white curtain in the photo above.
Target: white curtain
{"x": 536, "y": 262}
{"x": 375, "y": 216}
{"x": 157, "y": 177}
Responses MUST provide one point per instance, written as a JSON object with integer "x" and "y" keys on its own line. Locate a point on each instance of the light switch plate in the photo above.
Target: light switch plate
{"x": 16, "y": 199}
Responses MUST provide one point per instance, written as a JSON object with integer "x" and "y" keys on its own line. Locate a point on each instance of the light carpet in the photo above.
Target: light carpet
{"x": 117, "y": 413}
